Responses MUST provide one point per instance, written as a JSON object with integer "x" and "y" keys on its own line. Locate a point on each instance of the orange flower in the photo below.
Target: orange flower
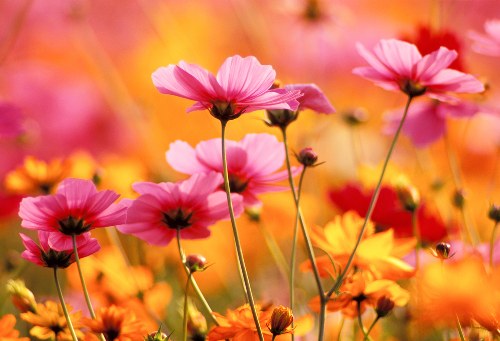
{"x": 7, "y": 331}
{"x": 358, "y": 288}
{"x": 377, "y": 253}
{"x": 36, "y": 176}
{"x": 116, "y": 324}
{"x": 49, "y": 322}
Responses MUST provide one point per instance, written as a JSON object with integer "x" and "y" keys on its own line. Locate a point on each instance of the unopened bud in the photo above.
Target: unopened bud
{"x": 22, "y": 298}
{"x": 280, "y": 117}
{"x": 442, "y": 251}
{"x": 281, "y": 320}
{"x": 494, "y": 213}
{"x": 196, "y": 263}
{"x": 307, "y": 157}
{"x": 354, "y": 117}
{"x": 157, "y": 336}
{"x": 408, "y": 196}
{"x": 253, "y": 213}
{"x": 458, "y": 199}
{"x": 384, "y": 306}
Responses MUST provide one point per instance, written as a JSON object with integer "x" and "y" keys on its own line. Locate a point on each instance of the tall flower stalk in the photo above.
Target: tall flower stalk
{"x": 63, "y": 305}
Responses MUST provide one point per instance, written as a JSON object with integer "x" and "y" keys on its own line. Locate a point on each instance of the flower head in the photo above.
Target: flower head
{"x": 22, "y": 298}
{"x": 252, "y": 163}
{"x": 7, "y": 331}
{"x": 398, "y": 65}
{"x": 190, "y": 206}
{"x": 488, "y": 43}
{"x": 44, "y": 255}
{"x": 75, "y": 209}
{"x": 241, "y": 85}
{"x": 281, "y": 321}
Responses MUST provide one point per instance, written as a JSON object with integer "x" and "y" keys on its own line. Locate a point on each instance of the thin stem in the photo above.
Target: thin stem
{"x": 274, "y": 249}
{"x": 492, "y": 244}
{"x": 416, "y": 234}
{"x": 373, "y": 201}
{"x": 339, "y": 335}
{"x": 360, "y": 321}
{"x": 192, "y": 281}
{"x": 310, "y": 251}
{"x": 239, "y": 251}
{"x": 459, "y": 328}
{"x": 82, "y": 279}
{"x": 294, "y": 245}
{"x": 184, "y": 317}
{"x": 65, "y": 309}
{"x": 371, "y": 327}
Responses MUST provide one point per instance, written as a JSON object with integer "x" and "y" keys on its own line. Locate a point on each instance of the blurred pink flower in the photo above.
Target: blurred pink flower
{"x": 10, "y": 120}
{"x": 252, "y": 163}
{"x": 242, "y": 85}
{"x": 190, "y": 206}
{"x": 426, "y": 121}
{"x": 489, "y": 43}
{"x": 44, "y": 255}
{"x": 397, "y": 65}
{"x": 75, "y": 209}
{"x": 313, "y": 98}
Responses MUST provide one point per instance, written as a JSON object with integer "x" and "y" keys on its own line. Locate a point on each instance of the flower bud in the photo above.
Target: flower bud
{"x": 494, "y": 213}
{"x": 157, "y": 336}
{"x": 253, "y": 213}
{"x": 280, "y": 117}
{"x": 442, "y": 251}
{"x": 458, "y": 199}
{"x": 384, "y": 306}
{"x": 355, "y": 117}
{"x": 307, "y": 157}
{"x": 408, "y": 196}
{"x": 22, "y": 298}
{"x": 281, "y": 320}
{"x": 196, "y": 263}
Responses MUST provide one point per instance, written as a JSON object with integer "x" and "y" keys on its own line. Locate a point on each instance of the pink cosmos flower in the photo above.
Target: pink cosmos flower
{"x": 252, "y": 163}
{"x": 241, "y": 85}
{"x": 397, "y": 65}
{"x": 313, "y": 98}
{"x": 190, "y": 206}
{"x": 426, "y": 121}
{"x": 75, "y": 209}
{"x": 10, "y": 120}
{"x": 44, "y": 255}
{"x": 489, "y": 43}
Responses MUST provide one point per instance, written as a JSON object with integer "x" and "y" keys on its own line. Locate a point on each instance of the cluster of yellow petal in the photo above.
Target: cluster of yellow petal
{"x": 7, "y": 331}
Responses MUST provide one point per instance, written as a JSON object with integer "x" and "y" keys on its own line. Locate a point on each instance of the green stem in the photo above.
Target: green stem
{"x": 459, "y": 328}
{"x": 192, "y": 281}
{"x": 492, "y": 244}
{"x": 239, "y": 251}
{"x": 310, "y": 251}
{"x": 294, "y": 245}
{"x": 371, "y": 327}
{"x": 65, "y": 309}
{"x": 416, "y": 234}
{"x": 373, "y": 201}
{"x": 274, "y": 249}
{"x": 184, "y": 317}
{"x": 360, "y": 321}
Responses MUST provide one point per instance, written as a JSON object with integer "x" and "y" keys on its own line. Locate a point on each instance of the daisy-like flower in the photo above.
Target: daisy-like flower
{"x": 49, "y": 322}
{"x": 190, "y": 206}
{"x": 75, "y": 209}
{"x": 426, "y": 121}
{"x": 44, "y": 255}
{"x": 115, "y": 323}
{"x": 488, "y": 43}
{"x": 252, "y": 163}
{"x": 241, "y": 85}
{"x": 398, "y": 65}
{"x": 7, "y": 330}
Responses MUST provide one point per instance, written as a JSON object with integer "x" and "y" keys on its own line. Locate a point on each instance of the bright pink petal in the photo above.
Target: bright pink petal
{"x": 273, "y": 99}
{"x": 398, "y": 56}
{"x": 62, "y": 242}
{"x": 89, "y": 248}
{"x": 77, "y": 192}
{"x": 313, "y": 98}
{"x": 265, "y": 154}
{"x": 182, "y": 157}
{"x": 449, "y": 80}
{"x": 433, "y": 63}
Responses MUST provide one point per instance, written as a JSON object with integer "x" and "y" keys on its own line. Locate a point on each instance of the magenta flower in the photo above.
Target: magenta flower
{"x": 75, "y": 209}
{"x": 44, "y": 255}
{"x": 11, "y": 124}
{"x": 489, "y": 43}
{"x": 190, "y": 206}
{"x": 313, "y": 98}
{"x": 426, "y": 121}
{"x": 397, "y": 65}
{"x": 242, "y": 85}
{"x": 252, "y": 163}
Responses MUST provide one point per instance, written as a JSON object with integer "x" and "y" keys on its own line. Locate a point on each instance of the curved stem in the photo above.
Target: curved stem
{"x": 373, "y": 201}
{"x": 459, "y": 328}
{"x": 64, "y": 308}
{"x": 82, "y": 279}
{"x": 360, "y": 321}
{"x": 310, "y": 251}
{"x": 371, "y": 327}
{"x": 416, "y": 234}
{"x": 274, "y": 249}
{"x": 239, "y": 251}
{"x": 492, "y": 244}
{"x": 184, "y": 317}
{"x": 192, "y": 281}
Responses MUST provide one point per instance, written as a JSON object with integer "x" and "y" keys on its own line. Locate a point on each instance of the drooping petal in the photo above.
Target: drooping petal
{"x": 313, "y": 98}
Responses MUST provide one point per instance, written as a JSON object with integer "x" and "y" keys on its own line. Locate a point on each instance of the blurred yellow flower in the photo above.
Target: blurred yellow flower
{"x": 7, "y": 331}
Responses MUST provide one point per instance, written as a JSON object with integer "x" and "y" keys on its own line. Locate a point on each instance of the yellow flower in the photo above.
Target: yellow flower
{"x": 115, "y": 323}
{"x": 7, "y": 331}
{"x": 49, "y": 322}
{"x": 377, "y": 253}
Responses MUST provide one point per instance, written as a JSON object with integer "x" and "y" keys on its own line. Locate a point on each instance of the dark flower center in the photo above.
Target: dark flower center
{"x": 56, "y": 259}
{"x": 177, "y": 219}
{"x": 312, "y": 11}
{"x": 412, "y": 88}
{"x": 225, "y": 111}
{"x": 236, "y": 184}
{"x": 112, "y": 334}
{"x": 72, "y": 225}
